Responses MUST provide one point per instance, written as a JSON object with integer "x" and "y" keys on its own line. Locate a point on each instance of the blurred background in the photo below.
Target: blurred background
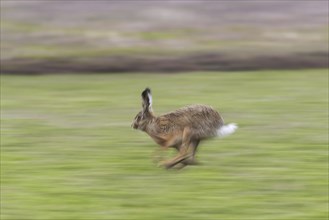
{"x": 79, "y": 36}
{"x": 71, "y": 76}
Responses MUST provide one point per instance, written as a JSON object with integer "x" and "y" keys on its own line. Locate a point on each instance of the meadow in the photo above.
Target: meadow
{"x": 68, "y": 151}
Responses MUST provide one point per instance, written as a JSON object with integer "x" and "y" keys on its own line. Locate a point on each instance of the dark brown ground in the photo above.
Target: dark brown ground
{"x": 204, "y": 62}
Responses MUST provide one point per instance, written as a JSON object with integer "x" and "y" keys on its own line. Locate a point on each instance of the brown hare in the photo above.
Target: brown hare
{"x": 182, "y": 129}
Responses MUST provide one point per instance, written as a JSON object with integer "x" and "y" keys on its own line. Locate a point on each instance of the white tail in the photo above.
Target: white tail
{"x": 226, "y": 130}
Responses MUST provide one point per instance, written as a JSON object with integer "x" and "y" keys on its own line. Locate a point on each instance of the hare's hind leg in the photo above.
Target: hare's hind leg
{"x": 190, "y": 160}
{"x": 192, "y": 148}
{"x": 186, "y": 151}
{"x": 185, "y": 157}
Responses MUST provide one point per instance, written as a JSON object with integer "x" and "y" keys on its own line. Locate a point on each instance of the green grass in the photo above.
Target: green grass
{"x": 68, "y": 152}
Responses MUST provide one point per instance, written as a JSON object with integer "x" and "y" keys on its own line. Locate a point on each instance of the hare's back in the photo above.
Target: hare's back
{"x": 202, "y": 119}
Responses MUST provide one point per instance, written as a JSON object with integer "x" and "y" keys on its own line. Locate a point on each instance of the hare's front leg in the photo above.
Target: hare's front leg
{"x": 158, "y": 154}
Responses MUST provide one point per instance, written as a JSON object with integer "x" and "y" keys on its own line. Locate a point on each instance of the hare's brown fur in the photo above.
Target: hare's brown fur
{"x": 182, "y": 129}
{"x": 202, "y": 121}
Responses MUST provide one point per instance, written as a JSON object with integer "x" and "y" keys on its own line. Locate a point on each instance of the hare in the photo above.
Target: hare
{"x": 182, "y": 129}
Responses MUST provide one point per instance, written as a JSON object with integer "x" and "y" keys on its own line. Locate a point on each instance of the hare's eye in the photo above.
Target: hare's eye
{"x": 140, "y": 117}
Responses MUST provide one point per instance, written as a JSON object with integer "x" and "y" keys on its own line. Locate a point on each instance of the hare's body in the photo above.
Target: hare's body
{"x": 182, "y": 129}
{"x": 167, "y": 130}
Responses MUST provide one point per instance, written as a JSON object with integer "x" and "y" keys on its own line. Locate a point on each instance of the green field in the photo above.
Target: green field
{"x": 68, "y": 152}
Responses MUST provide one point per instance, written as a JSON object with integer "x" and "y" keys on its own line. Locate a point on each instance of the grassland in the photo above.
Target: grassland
{"x": 68, "y": 152}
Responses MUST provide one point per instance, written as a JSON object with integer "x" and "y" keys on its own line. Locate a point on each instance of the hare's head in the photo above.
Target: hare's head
{"x": 144, "y": 117}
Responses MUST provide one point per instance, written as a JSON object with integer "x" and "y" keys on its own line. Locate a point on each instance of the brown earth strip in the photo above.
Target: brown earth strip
{"x": 198, "y": 62}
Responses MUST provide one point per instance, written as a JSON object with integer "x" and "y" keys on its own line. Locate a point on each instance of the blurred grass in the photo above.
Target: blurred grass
{"x": 68, "y": 152}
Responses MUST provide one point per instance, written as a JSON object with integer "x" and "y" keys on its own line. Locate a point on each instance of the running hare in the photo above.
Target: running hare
{"x": 182, "y": 129}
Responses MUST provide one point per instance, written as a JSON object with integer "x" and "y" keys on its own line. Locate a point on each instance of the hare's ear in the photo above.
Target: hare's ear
{"x": 147, "y": 100}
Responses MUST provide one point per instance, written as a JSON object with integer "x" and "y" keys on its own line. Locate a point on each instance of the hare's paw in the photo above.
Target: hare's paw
{"x": 165, "y": 164}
